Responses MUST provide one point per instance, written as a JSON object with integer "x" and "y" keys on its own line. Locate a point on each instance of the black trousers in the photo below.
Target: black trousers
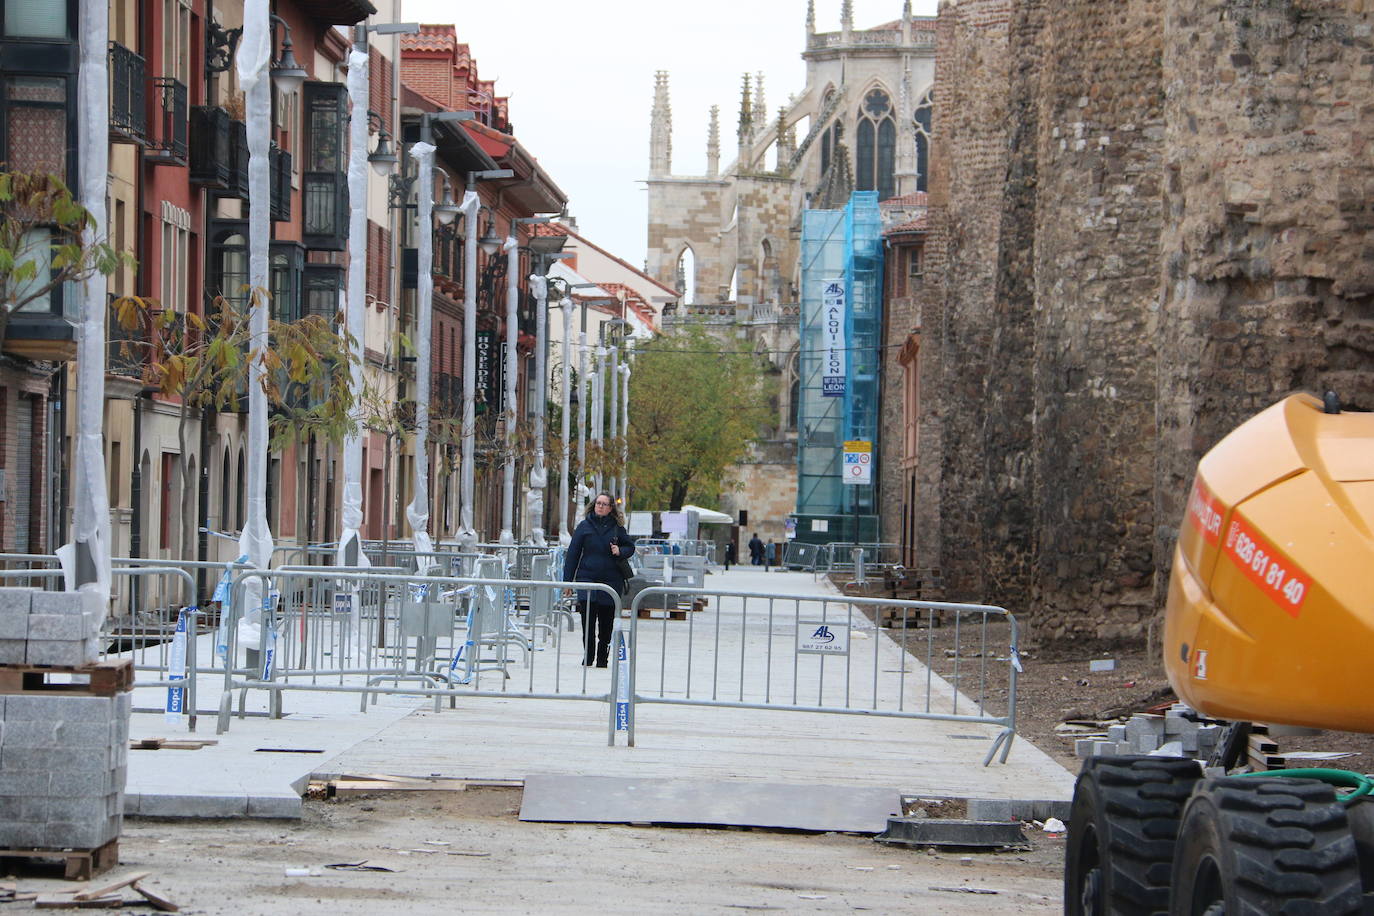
{"x": 597, "y": 622}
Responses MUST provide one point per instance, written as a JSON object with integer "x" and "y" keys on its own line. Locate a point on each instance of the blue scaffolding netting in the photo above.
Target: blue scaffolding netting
{"x": 839, "y": 245}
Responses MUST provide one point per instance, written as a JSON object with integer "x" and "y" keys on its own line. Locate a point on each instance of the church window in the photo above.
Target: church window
{"x": 687, "y": 275}
{"x": 922, "y": 121}
{"x": 875, "y": 145}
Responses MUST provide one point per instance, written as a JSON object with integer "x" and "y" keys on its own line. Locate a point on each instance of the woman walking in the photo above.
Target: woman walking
{"x": 598, "y": 542}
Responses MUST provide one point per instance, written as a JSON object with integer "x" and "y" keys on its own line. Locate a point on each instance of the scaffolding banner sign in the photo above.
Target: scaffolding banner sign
{"x": 832, "y": 305}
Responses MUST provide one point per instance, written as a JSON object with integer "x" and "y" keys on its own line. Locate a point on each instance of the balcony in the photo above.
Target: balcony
{"x": 238, "y": 159}
{"x": 210, "y": 146}
{"x": 324, "y": 201}
{"x": 128, "y": 96}
{"x": 167, "y": 144}
{"x": 128, "y": 349}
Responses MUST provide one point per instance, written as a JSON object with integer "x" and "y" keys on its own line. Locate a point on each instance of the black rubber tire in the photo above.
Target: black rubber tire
{"x": 1122, "y": 829}
{"x": 1260, "y": 846}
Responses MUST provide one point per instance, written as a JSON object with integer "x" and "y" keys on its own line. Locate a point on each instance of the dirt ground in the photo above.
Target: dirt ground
{"x": 466, "y": 851}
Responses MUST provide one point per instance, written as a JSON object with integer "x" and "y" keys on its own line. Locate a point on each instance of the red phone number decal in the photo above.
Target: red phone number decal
{"x": 1265, "y": 566}
{"x": 1203, "y": 511}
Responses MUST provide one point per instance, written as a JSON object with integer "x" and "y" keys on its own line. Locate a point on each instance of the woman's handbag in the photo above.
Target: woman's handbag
{"x": 626, "y": 570}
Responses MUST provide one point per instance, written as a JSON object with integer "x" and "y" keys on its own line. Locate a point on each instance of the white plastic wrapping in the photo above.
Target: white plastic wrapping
{"x": 417, "y": 513}
{"x": 91, "y": 524}
{"x": 583, "y": 395}
{"x": 356, "y": 305}
{"x": 256, "y": 540}
{"x": 512, "y": 249}
{"x": 467, "y": 534}
{"x": 625, "y": 436}
{"x": 534, "y": 494}
{"x": 564, "y": 493}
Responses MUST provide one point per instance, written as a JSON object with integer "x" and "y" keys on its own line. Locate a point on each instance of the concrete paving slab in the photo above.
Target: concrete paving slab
{"x": 714, "y": 802}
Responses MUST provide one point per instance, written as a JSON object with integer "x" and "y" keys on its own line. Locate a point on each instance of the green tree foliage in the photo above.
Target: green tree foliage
{"x": 695, "y": 407}
{"x": 41, "y": 245}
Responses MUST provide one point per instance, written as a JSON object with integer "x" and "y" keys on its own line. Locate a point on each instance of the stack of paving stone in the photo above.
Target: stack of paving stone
{"x": 64, "y": 725}
{"x": 1177, "y": 733}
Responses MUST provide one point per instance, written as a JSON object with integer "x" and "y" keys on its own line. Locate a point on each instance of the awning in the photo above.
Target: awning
{"x": 709, "y": 516}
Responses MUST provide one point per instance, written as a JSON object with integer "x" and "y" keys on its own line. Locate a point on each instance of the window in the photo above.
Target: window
{"x": 226, "y": 519}
{"x": 36, "y": 19}
{"x": 169, "y": 499}
{"x": 325, "y": 197}
{"x": 322, "y": 288}
{"x": 229, "y": 261}
{"x": 792, "y": 381}
{"x": 876, "y": 146}
{"x": 176, "y": 249}
{"x": 922, "y": 120}
{"x": 687, "y": 275}
{"x": 176, "y": 41}
{"x": 287, "y": 261}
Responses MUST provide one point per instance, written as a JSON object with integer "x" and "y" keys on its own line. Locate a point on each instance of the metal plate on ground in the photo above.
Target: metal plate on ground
{"x": 737, "y": 803}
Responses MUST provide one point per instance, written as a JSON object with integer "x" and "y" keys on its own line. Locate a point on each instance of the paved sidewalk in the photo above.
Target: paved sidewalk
{"x": 259, "y": 767}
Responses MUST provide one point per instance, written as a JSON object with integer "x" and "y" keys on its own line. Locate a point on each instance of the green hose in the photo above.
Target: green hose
{"x": 1343, "y": 779}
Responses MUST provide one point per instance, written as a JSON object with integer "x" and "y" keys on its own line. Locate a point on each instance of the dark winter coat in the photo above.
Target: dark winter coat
{"x": 589, "y": 557}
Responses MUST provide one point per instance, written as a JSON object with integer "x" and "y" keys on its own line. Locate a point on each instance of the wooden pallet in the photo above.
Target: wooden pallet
{"x": 657, "y": 613}
{"x": 81, "y": 864}
{"x": 102, "y": 679}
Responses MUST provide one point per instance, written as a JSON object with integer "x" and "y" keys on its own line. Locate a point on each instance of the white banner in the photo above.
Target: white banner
{"x": 833, "y": 313}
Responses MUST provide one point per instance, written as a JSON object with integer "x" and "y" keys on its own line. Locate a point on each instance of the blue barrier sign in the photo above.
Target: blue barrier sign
{"x": 622, "y": 693}
{"x": 176, "y": 668}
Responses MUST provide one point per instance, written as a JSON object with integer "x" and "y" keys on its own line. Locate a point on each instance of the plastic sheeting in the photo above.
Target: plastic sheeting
{"x": 91, "y": 524}
{"x": 539, "y": 478}
{"x": 467, "y": 534}
{"x": 256, "y": 540}
{"x": 356, "y": 307}
{"x": 564, "y": 504}
{"x": 512, "y": 249}
{"x": 417, "y": 513}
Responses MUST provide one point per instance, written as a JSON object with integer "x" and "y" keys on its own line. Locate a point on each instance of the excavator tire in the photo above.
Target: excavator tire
{"x": 1255, "y": 845}
{"x": 1122, "y": 829}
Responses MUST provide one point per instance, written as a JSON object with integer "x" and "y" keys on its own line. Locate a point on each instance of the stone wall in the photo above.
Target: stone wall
{"x": 1097, "y": 231}
{"x": 1148, "y": 220}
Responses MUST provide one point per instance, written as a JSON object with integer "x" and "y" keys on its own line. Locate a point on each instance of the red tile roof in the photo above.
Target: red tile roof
{"x": 919, "y": 224}
{"x": 431, "y": 38}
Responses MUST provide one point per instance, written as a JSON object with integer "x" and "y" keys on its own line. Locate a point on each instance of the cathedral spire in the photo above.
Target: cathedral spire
{"x": 847, "y": 16}
{"x": 746, "y": 127}
{"x": 906, "y": 22}
{"x": 661, "y": 129}
{"x": 760, "y": 116}
{"x": 787, "y": 140}
{"x": 713, "y": 144}
{"x": 811, "y": 17}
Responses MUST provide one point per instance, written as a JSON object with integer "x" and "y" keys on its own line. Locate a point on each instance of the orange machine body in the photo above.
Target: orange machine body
{"x": 1270, "y": 615}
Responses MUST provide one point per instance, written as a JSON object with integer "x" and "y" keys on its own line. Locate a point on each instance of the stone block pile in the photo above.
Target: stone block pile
{"x": 1175, "y": 734}
{"x": 49, "y": 628}
{"x": 64, "y": 724}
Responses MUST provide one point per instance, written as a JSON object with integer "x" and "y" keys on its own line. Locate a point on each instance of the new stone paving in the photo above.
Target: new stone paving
{"x": 260, "y": 765}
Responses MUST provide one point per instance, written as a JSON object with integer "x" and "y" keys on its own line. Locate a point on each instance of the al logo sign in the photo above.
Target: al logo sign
{"x": 822, "y": 637}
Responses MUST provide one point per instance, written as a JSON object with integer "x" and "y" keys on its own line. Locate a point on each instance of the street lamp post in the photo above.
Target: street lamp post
{"x": 539, "y": 478}
{"x": 467, "y": 534}
{"x": 417, "y": 513}
{"x": 512, "y": 365}
{"x": 613, "y": 333}
{"x": 350, "y": 553}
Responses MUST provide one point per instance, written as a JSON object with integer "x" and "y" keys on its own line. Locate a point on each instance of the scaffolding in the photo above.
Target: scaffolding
{"x": 841, "y": 245}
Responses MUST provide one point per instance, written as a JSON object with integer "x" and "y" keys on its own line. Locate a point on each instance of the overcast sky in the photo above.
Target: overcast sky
{"x": 580, "y": 77}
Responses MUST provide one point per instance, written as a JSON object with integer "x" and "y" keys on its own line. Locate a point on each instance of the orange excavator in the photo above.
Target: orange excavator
{"x": 1270, "y": 619}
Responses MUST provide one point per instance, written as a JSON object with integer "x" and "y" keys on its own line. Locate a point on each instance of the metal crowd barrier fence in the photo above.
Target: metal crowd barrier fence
{"x": 839, "y": 556}
{"x": 813, "y": 653}
{"x": 373, "y": 632}
{"x": 694, "y": 548}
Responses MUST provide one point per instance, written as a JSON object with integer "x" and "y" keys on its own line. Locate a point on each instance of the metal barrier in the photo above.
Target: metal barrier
{"x": 814, "y": 653}
{"x": 336, "y": 630}
{"x": 693, "y": 548}
{"x": 839, "y": 556}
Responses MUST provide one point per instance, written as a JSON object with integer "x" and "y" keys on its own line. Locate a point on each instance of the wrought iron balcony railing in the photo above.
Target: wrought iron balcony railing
{"x": 168, "y": 143}
{"x": 210, "y": 147}
{"x": 128, "y": 95}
